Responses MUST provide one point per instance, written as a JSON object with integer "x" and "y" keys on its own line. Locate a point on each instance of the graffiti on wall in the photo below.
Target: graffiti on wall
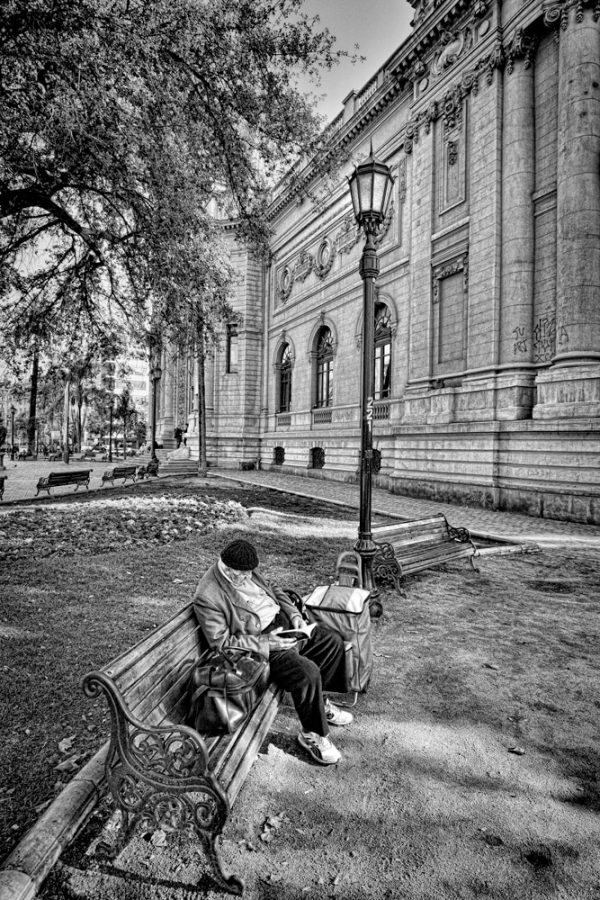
{"x": 547, "y": 338}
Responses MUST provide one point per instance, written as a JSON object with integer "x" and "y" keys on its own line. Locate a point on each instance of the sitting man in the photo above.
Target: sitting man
{"x": 235, "y": 607}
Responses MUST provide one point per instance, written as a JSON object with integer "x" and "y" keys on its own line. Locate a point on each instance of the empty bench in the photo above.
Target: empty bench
{"x": 59, "y": 479}
{"x": 159, "y": 771}
{"x": 123, "y": 472}
{"x": 408, "y": 547}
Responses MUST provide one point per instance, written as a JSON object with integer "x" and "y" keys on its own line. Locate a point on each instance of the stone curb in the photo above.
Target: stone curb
{"x": 24, "y": 870}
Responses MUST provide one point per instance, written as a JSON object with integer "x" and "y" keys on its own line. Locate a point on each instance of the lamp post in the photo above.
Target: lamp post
{"x": 155, "y": 375}
{"x": 13, "y": 410}
{"x": 371, "y": 189}
{"x": 110, "y": 430}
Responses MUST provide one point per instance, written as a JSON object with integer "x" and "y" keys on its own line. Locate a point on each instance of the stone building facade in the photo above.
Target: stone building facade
{"x": 488, "y": 299}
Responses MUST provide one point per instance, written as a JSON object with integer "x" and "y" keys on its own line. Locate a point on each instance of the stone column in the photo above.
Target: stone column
{"x": 167, "y": 423}
{"x": 578, "y": 190}
{"x": 571, "y": 387}
{"x": 515, "y": 383}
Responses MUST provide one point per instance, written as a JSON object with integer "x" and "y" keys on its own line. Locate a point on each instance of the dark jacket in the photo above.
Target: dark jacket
{"x": 227, "y": 620}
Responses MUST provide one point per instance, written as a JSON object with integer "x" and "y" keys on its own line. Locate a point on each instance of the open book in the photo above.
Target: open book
{"x": 304, "y": 632}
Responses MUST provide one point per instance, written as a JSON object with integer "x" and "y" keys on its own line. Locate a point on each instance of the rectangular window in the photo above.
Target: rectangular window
{"x": 325, "y": 383}
{"x": 383, "y": 354}
{"x": 450, "y": 317}
{"x": 232, "y": 349}
{"x": 285, "y": 390}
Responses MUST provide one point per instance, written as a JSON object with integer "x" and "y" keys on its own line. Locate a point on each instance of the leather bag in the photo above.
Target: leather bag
{"x": 223, "y": 689}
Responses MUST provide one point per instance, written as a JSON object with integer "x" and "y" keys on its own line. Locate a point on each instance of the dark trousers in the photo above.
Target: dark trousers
{"x": 319, "y": 665}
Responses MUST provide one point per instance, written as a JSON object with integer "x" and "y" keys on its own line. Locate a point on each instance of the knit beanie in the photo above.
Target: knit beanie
{"x": 240, "y": 555}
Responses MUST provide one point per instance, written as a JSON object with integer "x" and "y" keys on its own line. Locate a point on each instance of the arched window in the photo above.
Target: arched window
{"x": 285, "y": 378}
{"x": 383, "y": 352}
{"x": 324, "y": 381}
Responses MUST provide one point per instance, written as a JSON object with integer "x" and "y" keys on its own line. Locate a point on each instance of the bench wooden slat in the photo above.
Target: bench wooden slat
{"x": 179, "y": 645}
{"x": 118, "y": 667}
{"x": 156, "y": 695}
{"x": 233, "y": 767}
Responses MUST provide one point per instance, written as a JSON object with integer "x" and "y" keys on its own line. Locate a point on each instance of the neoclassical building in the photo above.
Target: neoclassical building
{"x": 487, "y": 337}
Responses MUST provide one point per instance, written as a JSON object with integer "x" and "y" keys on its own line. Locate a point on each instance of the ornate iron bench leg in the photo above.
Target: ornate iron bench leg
{"x": 473, "y": 566}
{"x": 386, "y": 568}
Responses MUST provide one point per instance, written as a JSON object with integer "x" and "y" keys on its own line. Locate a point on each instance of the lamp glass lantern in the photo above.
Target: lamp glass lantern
{"x": 371, "y": 186}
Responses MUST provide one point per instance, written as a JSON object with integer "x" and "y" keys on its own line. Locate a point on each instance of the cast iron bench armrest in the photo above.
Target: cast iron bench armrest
{"x": 60, "y": 479}
{"x": 2, "y": 480}
{"x": 168, "y": 755}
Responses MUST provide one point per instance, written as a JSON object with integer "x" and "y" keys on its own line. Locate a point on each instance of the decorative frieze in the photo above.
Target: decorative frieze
{"x": 286, "y": 282}
{"x": 303, "y": 266}
{"x": 460, "y": 264}
{"x": 557, "y": 14}
{"x": 347, "y": 235}
{"x": 324, "y": 258}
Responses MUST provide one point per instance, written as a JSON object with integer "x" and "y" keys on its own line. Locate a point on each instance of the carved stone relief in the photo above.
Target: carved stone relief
{"x": 303, "y": 266}
{"x": 324, "y": 258}
{"x": 453, "y": 47}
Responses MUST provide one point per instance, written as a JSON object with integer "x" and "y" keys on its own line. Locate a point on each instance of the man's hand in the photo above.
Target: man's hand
{"x": 279, "y": 643}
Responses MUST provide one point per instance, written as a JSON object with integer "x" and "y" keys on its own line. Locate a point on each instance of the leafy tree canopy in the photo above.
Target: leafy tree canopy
{"x": 119, "y": 121}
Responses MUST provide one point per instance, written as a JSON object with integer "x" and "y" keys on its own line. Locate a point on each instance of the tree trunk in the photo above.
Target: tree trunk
{"x": 31, "y": 448}
{"x": 67, "y": 409}
{"x": 202, "y": 461}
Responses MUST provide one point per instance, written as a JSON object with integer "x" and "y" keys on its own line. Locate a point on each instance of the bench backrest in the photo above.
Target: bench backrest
{"x": 416, "y": 531}
{"x": 74, "y": 475}
{"x": 151, "y": 676}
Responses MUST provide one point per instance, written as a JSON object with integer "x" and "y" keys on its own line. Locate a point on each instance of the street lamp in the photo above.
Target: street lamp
{"x": 371, "y": 186}
{"x": 155, "y": 375}
{"x": 110, "y": 429}
{"x": 13, "y": 410}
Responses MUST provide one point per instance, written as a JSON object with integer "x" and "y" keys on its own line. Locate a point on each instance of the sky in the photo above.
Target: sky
{"x": 377, "y": 26}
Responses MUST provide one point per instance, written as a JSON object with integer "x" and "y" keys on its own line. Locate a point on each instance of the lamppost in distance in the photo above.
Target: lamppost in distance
{"x": 13, "y": 410}
{"x": 371, "y": 186}
{"x": 155, "y": 375}
{"x": 110, "y": 429}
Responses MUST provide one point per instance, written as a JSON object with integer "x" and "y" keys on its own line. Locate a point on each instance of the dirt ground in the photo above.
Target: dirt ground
{"x": 471, "y": 769}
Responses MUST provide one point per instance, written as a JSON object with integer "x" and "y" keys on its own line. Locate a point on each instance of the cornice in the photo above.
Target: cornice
{"x": 439, "y": 27}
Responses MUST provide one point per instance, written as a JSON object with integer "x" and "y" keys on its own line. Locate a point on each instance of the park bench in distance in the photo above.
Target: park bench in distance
{"x": 159, "y": 771}
{"x": 2, "y": 480}
{"x": 123, "y": 472}
{"x": 58, "y": 479}
{"x": 409, "y": 547}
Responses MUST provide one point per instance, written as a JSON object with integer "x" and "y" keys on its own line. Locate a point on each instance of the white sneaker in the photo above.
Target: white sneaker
{"x": 320, "y": 748}
{"x": 337, "y": 716}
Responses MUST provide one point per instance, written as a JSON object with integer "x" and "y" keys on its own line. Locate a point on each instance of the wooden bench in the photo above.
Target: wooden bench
{"x": 58, "y": 479}
{"x": 408, "y": 547}
{"x": 161, "y": 772}
{"x": 123, "y": 472}
{"x": 2, "y": 480}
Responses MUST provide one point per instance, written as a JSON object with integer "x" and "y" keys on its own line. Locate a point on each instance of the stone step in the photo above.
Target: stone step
{"x": 179, "y": 466}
